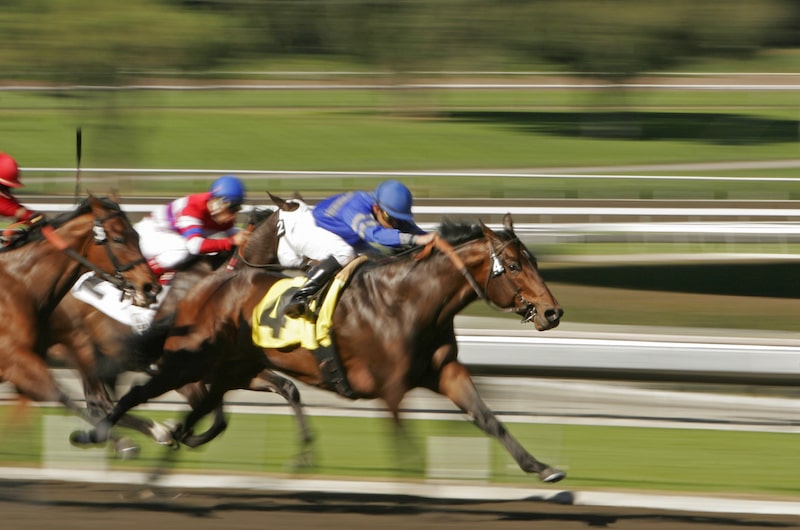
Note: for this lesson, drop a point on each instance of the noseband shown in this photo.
(100, 238)
(497, 269)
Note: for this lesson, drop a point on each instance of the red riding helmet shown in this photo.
(9, 172)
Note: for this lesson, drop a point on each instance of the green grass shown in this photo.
(677, 460)
(363, 130)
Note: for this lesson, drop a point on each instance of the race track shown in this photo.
(46, 505)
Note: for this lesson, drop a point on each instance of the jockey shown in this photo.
(358, 222)
(9, 205)
(202, 223)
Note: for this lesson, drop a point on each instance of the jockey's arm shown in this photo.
(201, 245)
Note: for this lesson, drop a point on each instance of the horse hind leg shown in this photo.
(203, 401)
(456, 384)
(269, 381)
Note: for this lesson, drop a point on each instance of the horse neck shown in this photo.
(473, 255)
(262, 246)
(49, 272)
(440, 288)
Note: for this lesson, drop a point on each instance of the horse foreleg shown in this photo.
(456, 384)
(269, 381)
(32, 378)
(203, 403)
(159, 384)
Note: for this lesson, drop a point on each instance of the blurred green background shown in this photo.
(359, 94)
(619, 87)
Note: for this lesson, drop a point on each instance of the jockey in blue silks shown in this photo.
(358, 222)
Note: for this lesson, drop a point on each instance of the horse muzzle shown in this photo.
(543, 321)
(142, 297)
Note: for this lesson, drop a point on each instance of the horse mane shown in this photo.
(256, 216)
(454, 232)
(457, 232)
(82, 208)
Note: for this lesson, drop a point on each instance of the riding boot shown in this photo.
(315, 279)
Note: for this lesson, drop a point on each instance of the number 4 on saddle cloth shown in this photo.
(105, 297)
(272, 329)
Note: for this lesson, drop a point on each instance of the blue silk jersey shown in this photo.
(349, 215)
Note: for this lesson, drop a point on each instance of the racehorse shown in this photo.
(95, 343)
(35, 276)
(392, 329)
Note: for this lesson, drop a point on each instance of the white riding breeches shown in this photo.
(303, 239)
(163, 245)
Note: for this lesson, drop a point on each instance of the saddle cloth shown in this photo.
(106, 298)
(272, 329)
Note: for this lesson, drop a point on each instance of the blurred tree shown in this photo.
(100, 42)
(619, 39)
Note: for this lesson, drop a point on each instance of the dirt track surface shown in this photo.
(45, 505)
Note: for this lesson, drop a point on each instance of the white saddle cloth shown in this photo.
(105, 297)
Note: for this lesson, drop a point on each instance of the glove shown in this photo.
(35, 217)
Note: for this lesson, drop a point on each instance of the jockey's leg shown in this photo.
(315, 279)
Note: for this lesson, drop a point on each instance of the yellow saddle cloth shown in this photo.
(272, 329)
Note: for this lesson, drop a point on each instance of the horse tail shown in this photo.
(146, 348)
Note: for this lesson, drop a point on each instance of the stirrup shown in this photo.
(296, 308)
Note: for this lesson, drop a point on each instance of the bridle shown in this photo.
(238, 255)
(497, 269)
(100, 238)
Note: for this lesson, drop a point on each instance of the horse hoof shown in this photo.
(126, 449)
(163, 433)
(302, 462)
(551, 475)
(80, 439)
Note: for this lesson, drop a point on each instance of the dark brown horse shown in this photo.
(36, 276)
(393, 330)
(96, 344)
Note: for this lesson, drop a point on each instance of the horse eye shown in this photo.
(514, 266)
(119, 239)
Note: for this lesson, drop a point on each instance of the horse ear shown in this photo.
(487, 232)
(508, 224)
(113, 196)
(279, 202)
(296, 195)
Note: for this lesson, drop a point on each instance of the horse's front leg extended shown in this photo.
(172, 376)
(456, 383)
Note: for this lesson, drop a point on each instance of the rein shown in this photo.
(497, 269)
(100, 238)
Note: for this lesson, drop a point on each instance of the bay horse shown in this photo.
(392, 328)
(96, 344)
(35, 276)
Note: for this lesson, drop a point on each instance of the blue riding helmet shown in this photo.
(394, 198)
(228, 188)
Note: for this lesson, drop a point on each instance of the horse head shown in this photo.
(116, 252)
(513, 282)
(261, 249)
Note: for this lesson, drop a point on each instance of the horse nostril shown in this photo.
(553, 314)
(152, 290)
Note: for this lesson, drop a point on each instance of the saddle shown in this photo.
(272, 329)
(109, 300)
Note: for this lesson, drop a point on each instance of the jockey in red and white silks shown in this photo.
(202, 223)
